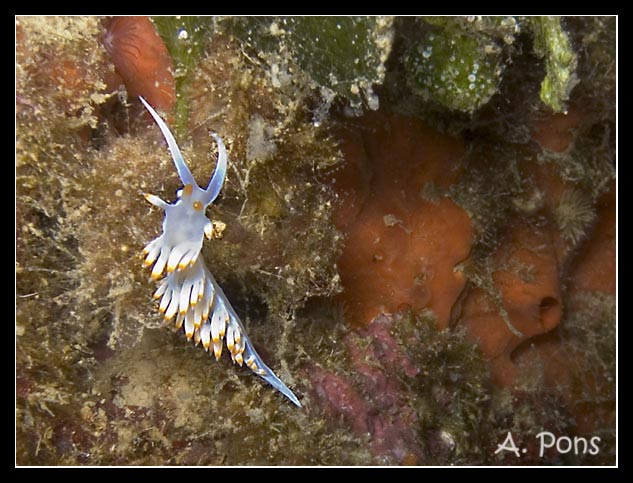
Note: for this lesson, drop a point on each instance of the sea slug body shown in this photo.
(187, 290)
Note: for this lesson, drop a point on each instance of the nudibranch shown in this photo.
(187, 291)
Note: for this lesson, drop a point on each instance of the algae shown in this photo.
(96, 383)
(186, 39)
(451, 395)
(454, 67)
(342, 56)
(98, 379)
(552, 43)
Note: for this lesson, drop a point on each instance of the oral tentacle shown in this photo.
(217, 180)
(183, 170)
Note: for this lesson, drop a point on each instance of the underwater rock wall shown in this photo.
(428, 265)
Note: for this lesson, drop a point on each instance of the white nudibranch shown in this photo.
(188, 293)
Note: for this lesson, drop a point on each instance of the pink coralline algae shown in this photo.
(373, 401)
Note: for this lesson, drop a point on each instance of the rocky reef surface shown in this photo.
(418, 229)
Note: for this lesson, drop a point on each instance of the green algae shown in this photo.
(342, 56)
(345, 54)
(186, 39)
(459, 68)
(552, 43)
(500, 28)
(441, 54)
